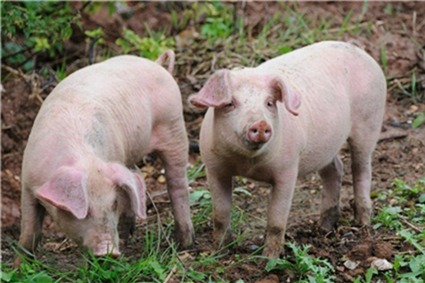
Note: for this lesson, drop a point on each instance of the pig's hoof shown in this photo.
(329, 219)
(272, 252)
(185, 240)
(362, 216)
(222, 239)
(185, 243)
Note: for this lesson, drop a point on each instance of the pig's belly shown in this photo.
(320, 155)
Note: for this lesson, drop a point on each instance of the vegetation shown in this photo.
(34, 27)
(405, 216)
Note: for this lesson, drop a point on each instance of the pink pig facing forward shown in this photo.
(286, 118)
(93, 125)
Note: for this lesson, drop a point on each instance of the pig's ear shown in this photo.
(67, 190)
(215, 93)
(284, 93)
(163, 57)
(134, 185)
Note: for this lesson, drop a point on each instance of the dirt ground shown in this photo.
(399, 154)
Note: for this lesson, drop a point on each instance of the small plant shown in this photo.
(43, 27)
(148, 47)
(305, 267)
(219, 21)
(406, 217)
(419, 120)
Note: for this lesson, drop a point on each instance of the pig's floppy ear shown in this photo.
(67, 190)
(290, 97)
(215, 93)
(134, 185)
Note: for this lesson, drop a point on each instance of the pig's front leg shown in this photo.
(31, 223)
(278, 211)
(221, 193)
(126, 225)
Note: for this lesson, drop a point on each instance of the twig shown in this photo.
(411, 225)
(171, 274)
(392, 135)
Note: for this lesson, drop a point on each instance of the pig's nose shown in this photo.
(113, 254)
(106, 249)
(260, 132)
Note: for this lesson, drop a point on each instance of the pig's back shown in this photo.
(107, 109)
(339, 84)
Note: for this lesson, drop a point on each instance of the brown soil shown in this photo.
(399, 154)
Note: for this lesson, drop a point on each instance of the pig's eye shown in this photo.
(270, 103)
(229, 105)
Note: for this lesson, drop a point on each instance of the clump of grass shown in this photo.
(405, 216)
(149, 47)
(35, 27)
(303, 266)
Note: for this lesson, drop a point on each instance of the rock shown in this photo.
(381, 264)
(351, 264)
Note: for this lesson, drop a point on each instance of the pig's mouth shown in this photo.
(253, 146)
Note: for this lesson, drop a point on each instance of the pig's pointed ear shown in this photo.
(215, 93)
(163, 57)
(133, 184)
(284, 93)
(67, 190)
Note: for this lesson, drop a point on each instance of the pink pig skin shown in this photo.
(289, 117)
(96, 122)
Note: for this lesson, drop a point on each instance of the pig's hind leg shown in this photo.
(174, 154)
(332, 177)
(31, 224)
(362, 144)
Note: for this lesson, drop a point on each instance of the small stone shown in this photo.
(253, 248)
(161, 179)
(351, 264)
(381, 264)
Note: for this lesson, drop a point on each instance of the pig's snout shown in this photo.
(259, 132)
(106, 249)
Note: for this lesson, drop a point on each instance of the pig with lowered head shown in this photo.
(289, 117)
(95, 124)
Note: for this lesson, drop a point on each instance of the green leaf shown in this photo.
(369, 274)
(419, 121)
(197, 195)
(8, 276)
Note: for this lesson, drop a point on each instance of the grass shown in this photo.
(403, 217)
(304, 267)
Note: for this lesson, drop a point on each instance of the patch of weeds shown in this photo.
(303, 266)
(34, 27)
(148, 47)
(219, 21)
(409, 87)
(405, 216)
(368, 276)
(32, 270)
